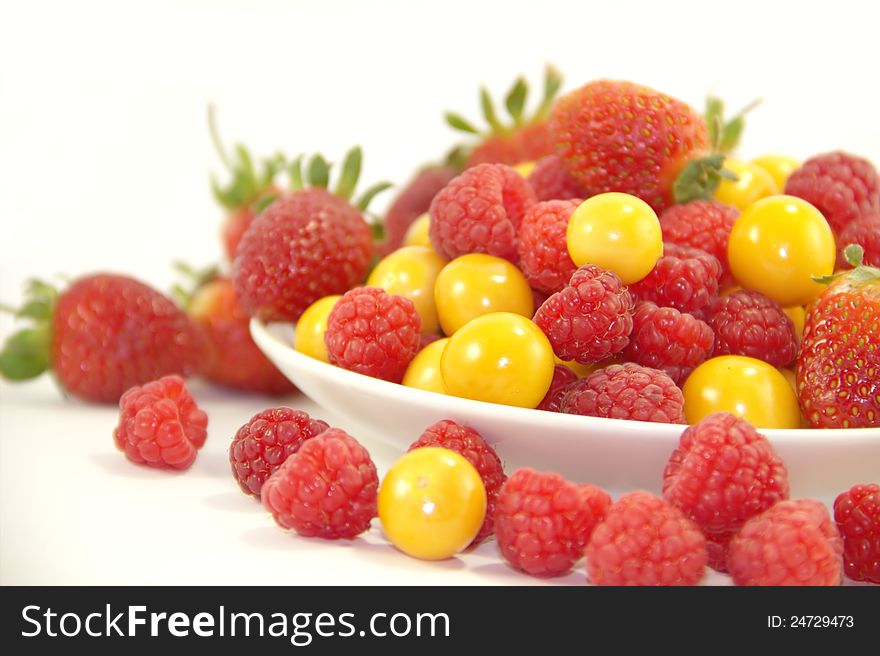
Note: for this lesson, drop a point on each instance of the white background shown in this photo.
(104, 163)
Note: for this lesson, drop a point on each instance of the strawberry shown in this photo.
(101, 336)
(620, 136)
(413, 201)
(838, 367)
(308, 244)
(527, 139)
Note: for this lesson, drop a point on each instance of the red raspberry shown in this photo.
(722, 474)
(470, 444)
(543, 522)
(160, 425)
(263, 444)
(590, 319)
(748, 323)
(626, 391)
(684, 278)
(428, 338)
(306, 245)
(538, 298)
(562, 378)
(703, 224)
(866, 233)
(373, 333)
(643, 540)
(551, 180)
(841, 186)
(327, 489)
(479, 212)
(542, 246)
(668, 340)
(413, 201)
(857, 513)
(793, 543)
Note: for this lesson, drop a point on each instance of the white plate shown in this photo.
(616, 454)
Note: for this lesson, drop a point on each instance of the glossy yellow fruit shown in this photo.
(525, 168)
(417, 233)
(310, 329)
(476, 284)
(791, 377)
(617, 232)
(776, 247)
(753, 183)
(500, 358)
(411, 272)
(424, 370)
(749, 388)
(779, 167)
(798, 315)
(583, 370)
(432, 503)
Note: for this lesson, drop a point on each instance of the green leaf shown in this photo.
(730, 134)
(319, 172)
(271, 167)
(295, 172)
(489, 112)
(699, 179)
(25, 354)
(40, 310)
(351, 171)
(364, 201)
(854, 254)
(216, 140)
(714, 116)
(515, 101)
(264, 201)
(460, 123)
(552, 84)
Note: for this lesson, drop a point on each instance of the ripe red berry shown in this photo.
(866, 233)
(590, 319)
(542, 247)
(413, 201)
(703, 224)
(263, 444)
(479, 212)
(643, 540)
(748, 323)
(841, 186)
(684, 278)
(857, 514)
(668, 340)
(373, 333)
(327, 489)
(626, 391)
(470, 444)
(551, 180)
(793, 543)
(562, 378)
(543, 522)
(160, 425)
(722, 474)
(525, 144)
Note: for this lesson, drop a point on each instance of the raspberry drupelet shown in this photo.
(703, 224)
(542, 246)
(685, 278)
(857, 514)
(563, 377)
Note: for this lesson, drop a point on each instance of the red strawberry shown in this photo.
(413, 201)
(620, 136)
(101, 336)
(838, 366)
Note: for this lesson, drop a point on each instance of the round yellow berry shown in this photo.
(411, 272)
(779, 167)
(424, 370)
(417, 233)
(310, 329)
(752, 184)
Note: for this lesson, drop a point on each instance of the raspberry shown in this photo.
(160, 425)
(263, 444)
(479, 212)
(722, 474)
(643, 540)
(413, 201)
(543, 521)
(590, 319)
(542, 247)
(373, 333)
(703, 224)
(684, 278)
(668, 340)
(793, 543)
(857, 514)
(551, 181)
(841, 186)
(866, 233)
(327, 489)
(626, 391)
(748, 323)
(470, 444)
(562, 378)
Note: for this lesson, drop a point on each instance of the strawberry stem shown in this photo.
(26, 353)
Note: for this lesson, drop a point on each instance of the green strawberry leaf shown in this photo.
(515, 101)
(364, 201)
(489, 112)
(351, 171)
(460, 123)
(25, 354)
(318, 172)
(295, 173)
(700, 178)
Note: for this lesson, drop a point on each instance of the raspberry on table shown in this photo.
(327, 489)
(644, 540)
(748, 323)
(543, 247)
(373, 333)
(703, 224)
(562, 378)
(664, 338)
(866, 233)
(626, 391)
(543, 522)
(685, 278)
(841, 186)
(160, 424)
(795, 542)
(263, 444)
(551, 180)
(469, 444)
(479, 212)
(723, 473)
(857, 514)
(590, 319)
